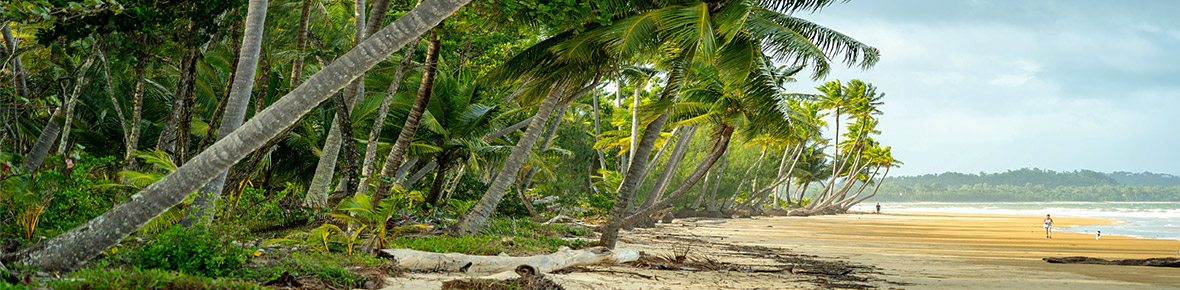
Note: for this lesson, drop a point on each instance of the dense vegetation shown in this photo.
(1032, 185)
(195, 136)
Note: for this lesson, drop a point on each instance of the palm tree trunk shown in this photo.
(19, 75)
(44, 142)
(719, 149)
(382, 112)
(398, 153)
(720, 176)
(746, 177)
(670, 169)
(301, 42)
(597, 133)
(339, 133)
(136, 113)
(436, 187)
(73, 248)
(79, 82)
(631, 181)
(545, 142)
(634, 124)
(704, 191)
(219, 113)
(477, 217)
(235, 109)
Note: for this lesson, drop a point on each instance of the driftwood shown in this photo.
(454, 262)
(1154, 262)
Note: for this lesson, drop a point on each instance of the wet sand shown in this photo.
(961, 251)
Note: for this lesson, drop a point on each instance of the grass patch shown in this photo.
(133, 278)
(318, 269)
(514, 237)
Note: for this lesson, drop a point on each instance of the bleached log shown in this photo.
(455, 262)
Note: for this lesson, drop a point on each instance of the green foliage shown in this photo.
(55, 200)
(201, 250)
(162, 165)
(1022, 185)
(258, 208)
(133, 278)
(363, 218)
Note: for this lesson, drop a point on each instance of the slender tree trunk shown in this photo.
(719, 149)
(478, 216)
(704, 191)
(79, 82)
(712, 205)
(634, 124)
(379, 121)
(19, 75)
(597, 134)
(172, 132)
(219, 113)
(406, 136)
(73, 248)
(301, 42)
(631, 181)
(44, 142)
(317, 191)
(377, 17)
(746, 177)
(236, 105)
(106, 76)
(670, 169)
(137, 112)
(545, 142)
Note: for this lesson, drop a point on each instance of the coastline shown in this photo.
(931, 250)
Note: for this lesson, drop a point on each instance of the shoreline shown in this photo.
(936, 250)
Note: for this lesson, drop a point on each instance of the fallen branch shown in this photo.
(1153, 262)
(454, 262)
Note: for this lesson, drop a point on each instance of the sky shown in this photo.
(990, 86)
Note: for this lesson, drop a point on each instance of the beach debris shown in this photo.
(455, 262)
(1153, 262)
(530, 279)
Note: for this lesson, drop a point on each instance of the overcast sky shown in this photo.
(990, 86)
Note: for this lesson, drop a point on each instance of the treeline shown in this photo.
(1032, 185)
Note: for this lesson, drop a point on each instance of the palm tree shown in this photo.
(73, 248)
(235, 108)
(455, 125)
(734, 35)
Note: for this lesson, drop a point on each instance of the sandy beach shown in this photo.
(962, 251)
(900, 250)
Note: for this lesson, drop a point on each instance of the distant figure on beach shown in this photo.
(1098, 236)
(878, 207)
(1048, 227)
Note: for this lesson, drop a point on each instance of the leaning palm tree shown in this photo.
(732, 34)
(73, 248)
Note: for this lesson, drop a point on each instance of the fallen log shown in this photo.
(455, 262)
(1153, 262)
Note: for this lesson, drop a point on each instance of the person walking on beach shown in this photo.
(1048, 227)
(878, 207)
(1098, 236)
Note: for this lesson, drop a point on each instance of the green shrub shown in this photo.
(142, 279)
(333, 269)
(199, 251)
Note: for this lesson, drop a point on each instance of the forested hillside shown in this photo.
(1033, 185)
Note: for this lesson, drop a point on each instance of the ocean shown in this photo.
(1155, 220)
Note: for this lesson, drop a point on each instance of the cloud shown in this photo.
(991, 85)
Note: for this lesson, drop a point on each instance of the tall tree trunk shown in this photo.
(317, 191)
(382, 112)
(79, 82)
(631, 181)
(398, 153)
(719, 149)
(137, 112)
(545, 142)
(73, 248)
(301, 42)
(219, 113)
(478, 216)
(704, 191)
(712, 202)
(236, 105)
(597, 134)
(19, 75)
(634, 124)
(106, 76)
(670, 169)
(44, 142)
(172, 132)
(746, 177)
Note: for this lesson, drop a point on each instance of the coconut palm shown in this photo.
(73, 248)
